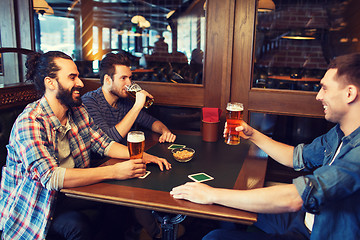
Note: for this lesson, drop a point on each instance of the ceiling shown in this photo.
(118, 13)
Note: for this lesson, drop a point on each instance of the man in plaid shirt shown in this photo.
(49, 149)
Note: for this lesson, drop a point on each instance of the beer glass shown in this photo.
(136, 144)
(234, 115)
(133, 89)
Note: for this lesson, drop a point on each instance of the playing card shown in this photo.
(173, 146)
(200, 177)
(145, 175)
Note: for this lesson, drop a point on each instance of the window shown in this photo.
(114, 39)
(296, 41)
(1, 64)
(106, 38)
(57, 33)
(161, 34)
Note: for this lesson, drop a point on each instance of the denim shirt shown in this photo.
(331, 192)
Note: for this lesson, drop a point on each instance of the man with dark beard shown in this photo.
(49, 149)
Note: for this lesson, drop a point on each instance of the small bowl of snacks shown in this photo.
(183, 154)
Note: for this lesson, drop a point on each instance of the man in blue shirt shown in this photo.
(110, 107)
(321, 205)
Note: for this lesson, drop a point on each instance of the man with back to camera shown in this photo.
(49, 149)
(321, 205)
(110, 108)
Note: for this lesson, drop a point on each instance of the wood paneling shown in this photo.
(18, 94)
(242, 52)
(218, 53)
(292, 103)
(187, 95)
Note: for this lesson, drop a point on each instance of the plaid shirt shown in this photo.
(26, 206)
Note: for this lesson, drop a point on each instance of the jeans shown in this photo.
(286, 226)
(70, 221)
(71, 225)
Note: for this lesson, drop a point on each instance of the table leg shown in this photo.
(169, 224)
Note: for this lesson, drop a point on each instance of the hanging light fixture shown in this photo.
(170, 14)
(137, 19)
(301, 34)
(140, 21)
(266, 6)
(144, 24)
(42, 7)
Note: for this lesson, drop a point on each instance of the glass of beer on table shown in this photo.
(133, 89)
(234, 116)
(136, 144)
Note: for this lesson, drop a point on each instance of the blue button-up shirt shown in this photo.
(26, 206)
(331, 192)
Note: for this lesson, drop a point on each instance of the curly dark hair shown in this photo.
(41, 65)
(348, 69)
(107, 65)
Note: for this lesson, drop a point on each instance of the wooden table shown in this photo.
(135, 193)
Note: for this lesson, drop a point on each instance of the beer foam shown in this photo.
(135, 138)
(235, 107)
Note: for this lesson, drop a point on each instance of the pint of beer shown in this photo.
(234, 115)
(133, 89)
(136, 144)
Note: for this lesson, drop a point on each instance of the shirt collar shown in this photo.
(353, 137)
(54, 121)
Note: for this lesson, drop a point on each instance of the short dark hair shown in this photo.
(42, 65)
(348, 68)
(107, 65)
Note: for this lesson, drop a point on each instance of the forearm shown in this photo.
(124, 126)
(118, 150)
(76, 177)
(159, 127)
(280, 152)
(275, 199)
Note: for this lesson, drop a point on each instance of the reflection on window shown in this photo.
(1, 62)
(105, 38)
(57, 33)
(114, 39)
(296, 41)
(161, 37)
(95, 48)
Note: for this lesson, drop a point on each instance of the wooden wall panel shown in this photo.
(186, 95)
(218, 53)
(292, 103)
(242, 52)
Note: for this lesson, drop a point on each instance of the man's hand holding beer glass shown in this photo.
(234, 116)
(136, 145)
(141, 96)
(245, 131)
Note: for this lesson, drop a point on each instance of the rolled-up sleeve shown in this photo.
(298, 161)
(330, 180)
(302, 183)
(305, 189)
